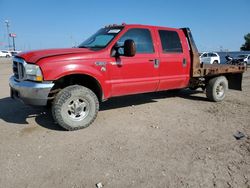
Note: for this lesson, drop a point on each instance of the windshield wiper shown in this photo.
(83, 46)
(97, 46)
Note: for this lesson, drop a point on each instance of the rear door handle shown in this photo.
(184, 62)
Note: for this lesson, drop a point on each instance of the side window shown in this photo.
(212, 55)
(204, 55)
(142, 39)
(170, 42)
(248, 57)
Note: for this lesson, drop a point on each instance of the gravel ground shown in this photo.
(148, 140)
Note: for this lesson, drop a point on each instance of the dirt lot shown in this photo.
(149, 140)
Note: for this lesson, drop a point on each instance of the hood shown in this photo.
(34, 56)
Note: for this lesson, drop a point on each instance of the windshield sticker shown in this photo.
(114, 31)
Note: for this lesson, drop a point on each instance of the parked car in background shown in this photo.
(244, 58)
(209, 58)
(5, 53)
(13, 53)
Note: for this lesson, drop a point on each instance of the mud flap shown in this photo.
(235, 81)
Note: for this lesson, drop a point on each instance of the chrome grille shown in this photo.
(18, 68)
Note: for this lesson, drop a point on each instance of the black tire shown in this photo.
(7, 56)
(216, 89)
(215, 62)
(75, 107)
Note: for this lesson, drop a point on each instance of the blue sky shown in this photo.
(63, 23)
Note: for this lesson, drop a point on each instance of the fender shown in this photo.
(55, 70)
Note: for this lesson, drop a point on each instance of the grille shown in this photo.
(18, 69)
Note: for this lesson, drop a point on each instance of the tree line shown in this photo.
(246, 46)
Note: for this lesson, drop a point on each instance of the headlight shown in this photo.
(33, 72)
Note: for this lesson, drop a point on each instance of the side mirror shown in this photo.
(129, 48)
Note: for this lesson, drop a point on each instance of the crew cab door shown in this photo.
(138, 74)
(174, 66)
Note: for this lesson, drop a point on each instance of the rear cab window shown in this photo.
(170, 41)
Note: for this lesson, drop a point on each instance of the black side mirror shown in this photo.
(129, 48)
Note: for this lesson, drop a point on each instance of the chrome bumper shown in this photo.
(31, 93)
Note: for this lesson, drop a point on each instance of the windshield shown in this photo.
(101, 38)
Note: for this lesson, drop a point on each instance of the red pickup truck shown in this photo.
(117, 60)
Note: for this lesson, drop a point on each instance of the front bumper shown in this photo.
(29, 92)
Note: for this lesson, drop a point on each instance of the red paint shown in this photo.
(123, 76)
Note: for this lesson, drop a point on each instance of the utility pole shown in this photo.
(8, 32)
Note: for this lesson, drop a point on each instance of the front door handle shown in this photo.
(156, 62)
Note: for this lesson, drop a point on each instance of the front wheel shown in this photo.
(75, 107)
(216, 88)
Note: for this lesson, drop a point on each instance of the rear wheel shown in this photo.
(215, 62)
(75, 107)
(216, 88)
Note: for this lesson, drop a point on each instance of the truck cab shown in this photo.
(161, 61)
(117, 60)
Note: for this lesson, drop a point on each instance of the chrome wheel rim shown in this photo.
(78, 109)
(220, 90)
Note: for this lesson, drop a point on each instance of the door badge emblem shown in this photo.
(102, 65)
